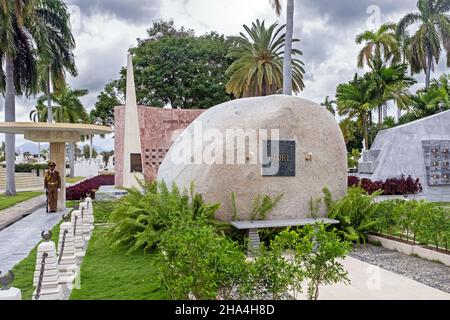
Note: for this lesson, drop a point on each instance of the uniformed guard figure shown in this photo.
(52, 185)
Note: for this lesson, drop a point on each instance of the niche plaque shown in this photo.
(278, 158)
(437, 161)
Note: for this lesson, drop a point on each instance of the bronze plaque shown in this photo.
(136, 162)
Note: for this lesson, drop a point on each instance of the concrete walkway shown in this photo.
(369, 282)
(17, 240)
(18, 211)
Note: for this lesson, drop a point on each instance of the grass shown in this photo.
(7, 202)
(74, 179)
(112, 274)
(106, 274)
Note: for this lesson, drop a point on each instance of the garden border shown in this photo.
(410, 249)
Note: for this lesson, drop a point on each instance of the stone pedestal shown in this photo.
(10, 294)
(78, 232)
(90, 211)
(58, 156)
(50, 288)
(86, 223)
(67, 262)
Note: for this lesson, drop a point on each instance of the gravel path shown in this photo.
(430, 273)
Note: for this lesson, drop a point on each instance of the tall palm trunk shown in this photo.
(366, 131)
(39, 152)
(10, 116)
(49, 98)
(428, 71)
(72, 146)
(287, 61)
(90, 148)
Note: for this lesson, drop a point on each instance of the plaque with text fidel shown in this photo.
(278, 158)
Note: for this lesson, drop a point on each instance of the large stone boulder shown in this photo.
(320, 156)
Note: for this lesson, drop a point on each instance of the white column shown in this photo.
(58, 156)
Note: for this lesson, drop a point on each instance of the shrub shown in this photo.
(140, 218)
(392, 186)
(198, 263)
(315, 254)
(356, 214)
(81, 190)
(270, 275)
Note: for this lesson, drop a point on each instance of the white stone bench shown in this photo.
(253, 226)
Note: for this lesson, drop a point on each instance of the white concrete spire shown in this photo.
(131, 140)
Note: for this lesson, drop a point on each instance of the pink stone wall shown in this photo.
(157, 126)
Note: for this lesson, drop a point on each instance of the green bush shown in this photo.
(199, 263)
(140, 218)
(315, 252)
(356, 213)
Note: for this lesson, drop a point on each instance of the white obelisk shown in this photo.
(132, 137)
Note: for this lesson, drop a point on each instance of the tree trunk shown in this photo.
(399, 113)
(90, 149)
(385, 112)
(366, 132)
(428, 71)
(380, 114)
(39, 152)
(10, 116)
(72, 147)
(49, 98)
(287, 60)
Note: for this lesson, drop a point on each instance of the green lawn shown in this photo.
(106, 274)
(6, 202)
(74, 179)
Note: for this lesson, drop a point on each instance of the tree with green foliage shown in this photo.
(110, 97)
(174, 67)
(27, 28)
(320, 251)
(68, 108)
(380, 45)
(355, 100)
(257, 68)
(432, 34)
(89, 153)
(428, 102)
(330, 105)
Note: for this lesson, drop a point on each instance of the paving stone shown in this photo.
(17, 240)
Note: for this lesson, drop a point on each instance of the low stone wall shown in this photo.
(410, 249)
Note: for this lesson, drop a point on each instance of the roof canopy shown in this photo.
(53, 132)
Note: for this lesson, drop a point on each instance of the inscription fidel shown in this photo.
(278, 158)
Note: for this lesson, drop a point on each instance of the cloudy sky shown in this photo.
(106, 29)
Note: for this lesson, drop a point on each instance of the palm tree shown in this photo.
(287, 60)
(430, 101)
(329, 105)
(392, 84)
(56, 54)
(257, 68)
(380, 45)
(433, 33)
(355, 100)
(69, 109)
(26, 27)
